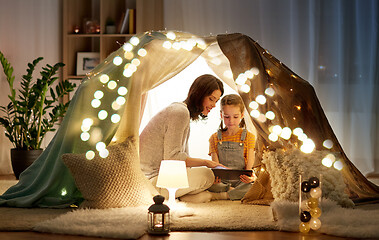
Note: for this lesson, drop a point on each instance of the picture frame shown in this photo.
(86, 61)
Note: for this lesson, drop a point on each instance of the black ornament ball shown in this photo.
(314, 182)
(305, 216)
(305, 186)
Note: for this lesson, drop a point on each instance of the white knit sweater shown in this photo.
(165, 138)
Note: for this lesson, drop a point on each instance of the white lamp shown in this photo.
(172, 176)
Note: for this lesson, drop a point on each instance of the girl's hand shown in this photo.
(217, 180)
(247, 179)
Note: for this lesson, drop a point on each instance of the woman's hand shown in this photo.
(212, 164)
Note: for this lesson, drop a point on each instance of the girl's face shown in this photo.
(210, 101)
(232, 116)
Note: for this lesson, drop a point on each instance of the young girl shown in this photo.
(232, 146)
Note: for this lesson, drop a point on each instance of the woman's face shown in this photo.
(210, 101)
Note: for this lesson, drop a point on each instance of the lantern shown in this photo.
(158, 217)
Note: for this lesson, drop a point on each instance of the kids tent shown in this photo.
(107, 107)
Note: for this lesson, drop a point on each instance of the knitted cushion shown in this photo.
(115, 181)
(285, 167)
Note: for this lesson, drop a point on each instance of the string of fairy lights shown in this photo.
(132, 59)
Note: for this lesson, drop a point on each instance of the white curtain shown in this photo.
(333, 44)
(28, 29)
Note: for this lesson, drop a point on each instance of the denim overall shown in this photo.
(230, 154)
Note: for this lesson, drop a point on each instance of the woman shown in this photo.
(166, 138)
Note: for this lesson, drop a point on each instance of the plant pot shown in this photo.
(22, 159)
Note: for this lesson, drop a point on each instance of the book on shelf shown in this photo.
(125, 22)
(132, 21)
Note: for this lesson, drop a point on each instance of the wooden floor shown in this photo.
(234, 235)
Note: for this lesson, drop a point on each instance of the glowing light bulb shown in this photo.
(134, 41)
(245, 88)
(270, 92)
(142, 52)
(167, 44)
(104, 78)
(104, 153)
(327, 162)
(95, 103)
(115, 106)
(128, 47)
(98, 94)
(298, 131)
(249, 74)
(253, 105)
(100, 146)
(128, 55)
(286, 133)
(117, 61)
(85, 128)
(115, 118)
(87, 122)
(122, 91)
(308, 146)
(277, 130)
(120, 100)
(255, 113)
(63, 192)
(90, 154)
(270, 115)
(112, 85)
(241, 79)
(260, 99)
(127, 72)
(273, 137)
(136, 62)
(255, 70)
(327, 144)
(262, 118)
(171, 35)
(338, 165)
(85, 136)
(303, 137)
(102, 114)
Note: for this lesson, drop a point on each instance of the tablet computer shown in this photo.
(230, 174)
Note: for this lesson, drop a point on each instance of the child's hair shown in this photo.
(235, 100)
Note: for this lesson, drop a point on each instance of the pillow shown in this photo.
(285, 167)
(115, 181)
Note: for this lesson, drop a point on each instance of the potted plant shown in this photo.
(33, 110)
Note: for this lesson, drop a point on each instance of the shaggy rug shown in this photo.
(130, 223)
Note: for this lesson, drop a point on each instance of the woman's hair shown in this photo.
(202, 87)
(234, 100)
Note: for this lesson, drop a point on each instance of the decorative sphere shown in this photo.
(312, 203)
(315, 212)
(305, 216)
(314, 182)
(316, 192)
(315, 224)
(305, 187)
(304, 227)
